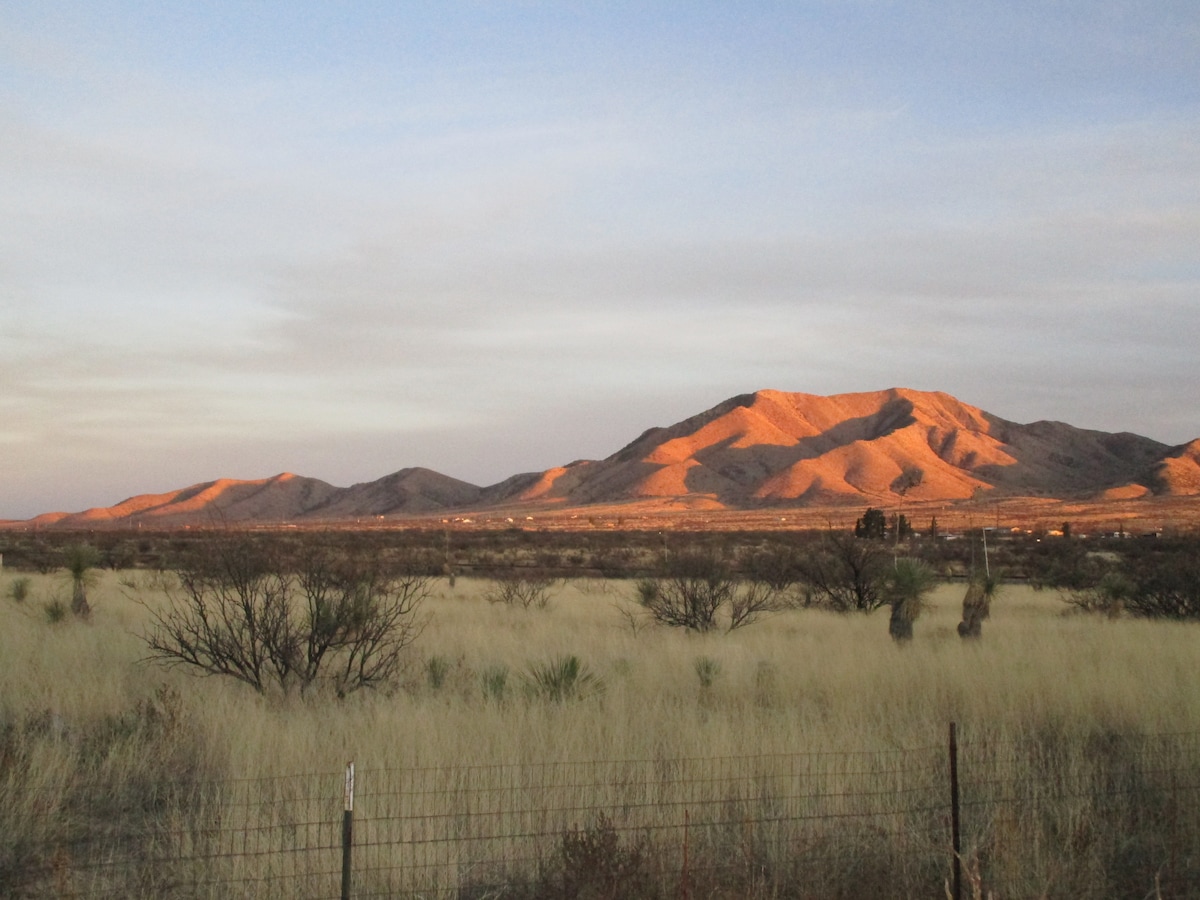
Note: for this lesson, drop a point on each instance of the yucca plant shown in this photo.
(562, 678)
(977, 604)
(79, 560)
(907, 584)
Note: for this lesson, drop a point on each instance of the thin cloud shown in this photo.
(427, 261)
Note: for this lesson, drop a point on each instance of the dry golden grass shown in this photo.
(802, 681)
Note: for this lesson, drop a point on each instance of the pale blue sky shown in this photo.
(344, 238)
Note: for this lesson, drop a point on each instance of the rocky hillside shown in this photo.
(773, 448)
(757, 450)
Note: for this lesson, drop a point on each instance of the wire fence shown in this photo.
(1113, 816)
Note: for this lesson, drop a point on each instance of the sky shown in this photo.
(344, 238)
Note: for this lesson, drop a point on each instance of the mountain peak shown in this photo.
(762, 449)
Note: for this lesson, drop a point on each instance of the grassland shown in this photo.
(91, 734)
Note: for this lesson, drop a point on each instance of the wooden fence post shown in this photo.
(955, 831)
(347, 830)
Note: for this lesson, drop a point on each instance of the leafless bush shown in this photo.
(846, 573)
(694, 589)
(1165, 586)
(751, 600)
(239, 611)
(528, 591)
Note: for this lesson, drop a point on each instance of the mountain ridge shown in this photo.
(760, 450)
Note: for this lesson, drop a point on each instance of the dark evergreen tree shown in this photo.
(872, 525)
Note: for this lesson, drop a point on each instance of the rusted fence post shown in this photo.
(955, 831)
(347, 829)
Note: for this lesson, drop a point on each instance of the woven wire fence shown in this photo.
(1109, 815)
(649, 826)
(266, 837)
(1114, 816)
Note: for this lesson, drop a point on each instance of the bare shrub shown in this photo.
(597, 863)
(1165, 585)
(528, 591)
(777, 564)
(751, 600)
(342, 621)
(696, 586)
(1108, 597)
(846, 574)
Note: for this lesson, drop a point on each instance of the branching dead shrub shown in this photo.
(846, 574)
(750, 601)
(596, 863)
(340, 621)
(1165, 585)
(528, 591)
(1108, 597)
(696, 587)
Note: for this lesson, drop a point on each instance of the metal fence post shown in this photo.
(955, 831)
(347, 830)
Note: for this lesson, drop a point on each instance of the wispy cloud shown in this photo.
(557, 230)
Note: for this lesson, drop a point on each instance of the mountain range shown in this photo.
(769, 449)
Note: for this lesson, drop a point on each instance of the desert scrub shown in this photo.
(521, 590)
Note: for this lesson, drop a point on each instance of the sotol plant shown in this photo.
(19, 589)
(562, 678)
(707, 670)
(494, 680)
(437, 670)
